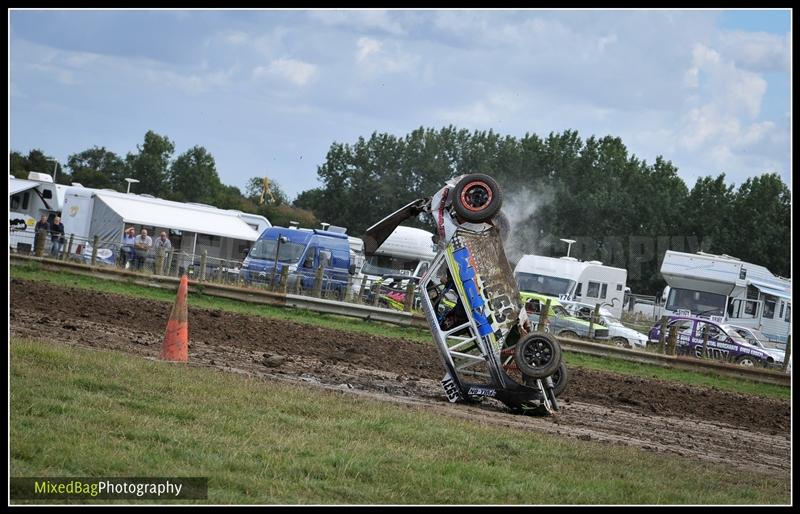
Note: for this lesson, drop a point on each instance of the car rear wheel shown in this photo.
(538, 355)
(477, 197)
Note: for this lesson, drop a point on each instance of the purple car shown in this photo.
(724, 343)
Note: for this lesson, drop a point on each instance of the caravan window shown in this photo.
(25, 198)
(542, 284)
(389, 265)
(578, 289)
(780, 316)
(769, 306)
(788, 314)
(47, 194)
(698, 302)
(15, 202)
(593, 291)
(603, 290)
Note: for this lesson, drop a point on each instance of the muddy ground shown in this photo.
(743, 431)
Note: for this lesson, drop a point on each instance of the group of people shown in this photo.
(135, 249)
(55, 229)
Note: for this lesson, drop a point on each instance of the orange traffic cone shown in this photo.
(176, 340)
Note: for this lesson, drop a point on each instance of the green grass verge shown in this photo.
(33, 272)
(78, 412)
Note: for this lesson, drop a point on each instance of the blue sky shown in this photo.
(267, 92)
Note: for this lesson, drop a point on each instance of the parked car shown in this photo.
(561, 322)
(756, 338)
(724, 342)
(619, 334)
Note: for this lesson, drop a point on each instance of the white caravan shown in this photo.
(727, 289)
(27, 201)
(567, 278)
(407, 251)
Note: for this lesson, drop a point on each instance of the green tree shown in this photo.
(150, 165)
(193, 177)
(98, 168)
(36, 161)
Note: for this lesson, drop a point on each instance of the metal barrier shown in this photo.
(375, 313)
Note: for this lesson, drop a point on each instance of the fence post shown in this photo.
(376, 289)
(317, 291)
(662, 334)
(95, 242)
(348, 293)
(673, 333)
(361, 290)
(593, 320)
(409, 300)
(69, 248)
(203, 259)
(158, 269)
(284, 279)
(705, 341)
(41, 236)
(788, 352)
(170, 253)
(543, 316)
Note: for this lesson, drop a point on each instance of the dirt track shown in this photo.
(740, 430)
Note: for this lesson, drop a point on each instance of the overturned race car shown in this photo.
(472, 304)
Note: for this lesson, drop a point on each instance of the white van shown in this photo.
(567, 278)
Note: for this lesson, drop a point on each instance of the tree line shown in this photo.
(623, 210)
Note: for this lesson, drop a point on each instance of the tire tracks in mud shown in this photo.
(742, 431)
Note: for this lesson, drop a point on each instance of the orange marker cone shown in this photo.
(176, 340)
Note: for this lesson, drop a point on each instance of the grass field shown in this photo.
(78, 412)
(33, 272)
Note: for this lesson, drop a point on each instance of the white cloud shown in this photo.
(236, 38)
(360, 19)
(297, 72)
(375, 57)
(756, 51)
(367, 46)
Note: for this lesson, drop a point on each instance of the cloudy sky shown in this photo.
(267, 92)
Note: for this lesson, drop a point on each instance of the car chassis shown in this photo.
(483, 336)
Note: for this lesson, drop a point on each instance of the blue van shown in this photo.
(302, 251)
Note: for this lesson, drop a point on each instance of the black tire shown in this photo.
(569, 334)
(538, 355)
(748, 361)
(500, 221)
(477, 197)
(621, 342)
(560, 379)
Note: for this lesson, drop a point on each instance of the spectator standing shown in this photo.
(128, 242)
(142, 245)
(161, 246)
(40, 231)
(56, 236)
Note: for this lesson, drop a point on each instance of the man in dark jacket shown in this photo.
(56, 236)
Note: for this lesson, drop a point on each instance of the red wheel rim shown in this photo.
(476, 192)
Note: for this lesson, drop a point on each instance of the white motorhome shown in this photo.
(28, 200)
(568, 278)
(729, 289)
(407, 251)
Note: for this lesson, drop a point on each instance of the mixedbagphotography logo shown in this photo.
(144, 488)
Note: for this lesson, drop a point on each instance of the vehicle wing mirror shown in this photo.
(309, 262)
